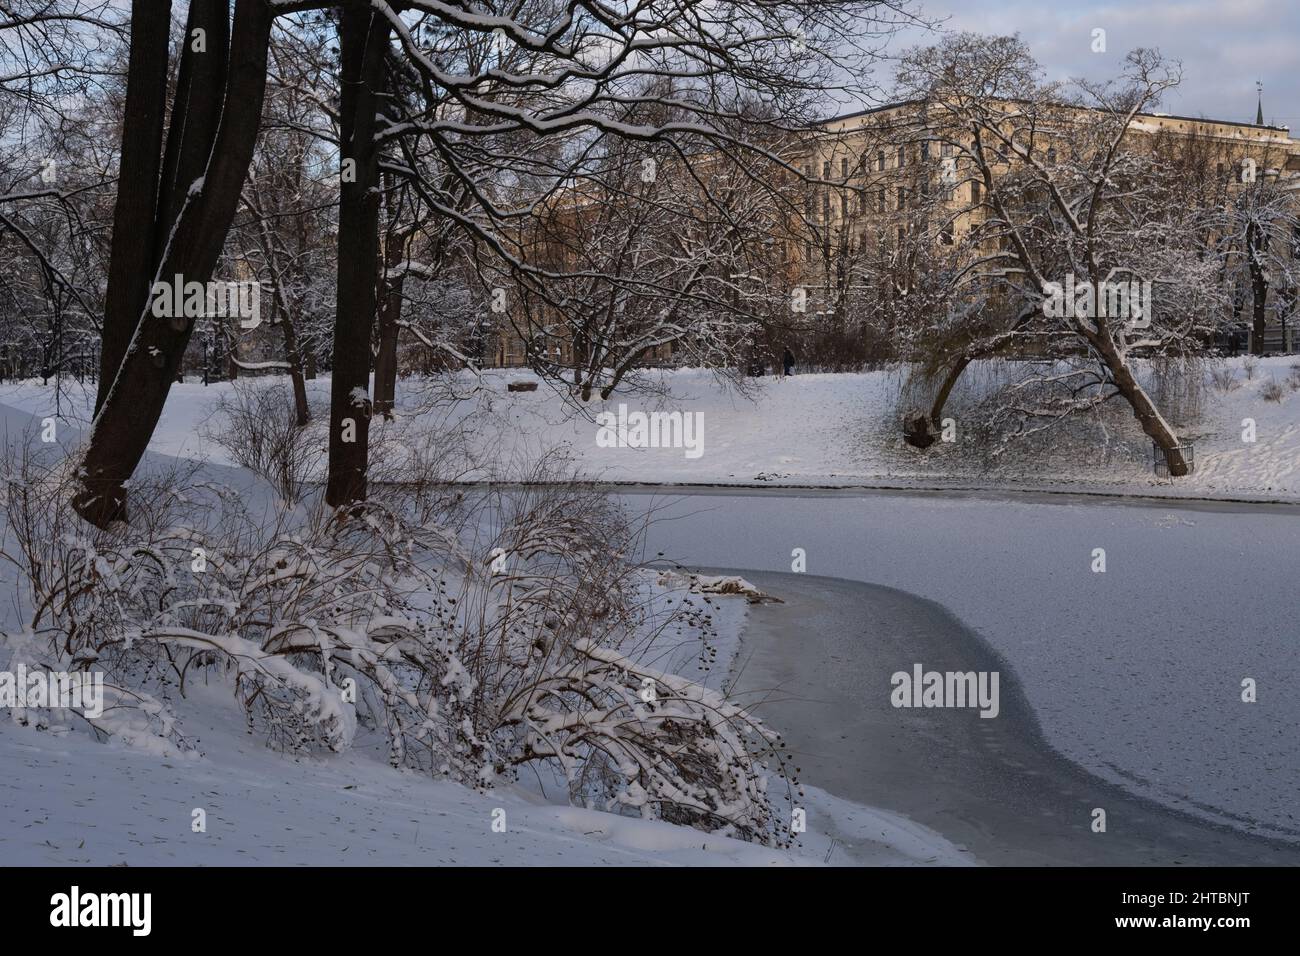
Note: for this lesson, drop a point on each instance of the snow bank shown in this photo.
(821, 429)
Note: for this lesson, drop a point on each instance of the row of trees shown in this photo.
(611, 185)
(370, 160)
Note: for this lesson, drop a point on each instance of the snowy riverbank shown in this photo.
(822, 430)
(68, 799)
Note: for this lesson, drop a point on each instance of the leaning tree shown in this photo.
(1056, 185)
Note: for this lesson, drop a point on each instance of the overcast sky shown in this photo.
(1224, 45)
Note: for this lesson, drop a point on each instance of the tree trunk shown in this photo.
(230, 339)
(386, 359)
(1153, 423)
(920, 431)
(137, 388)
(941, 399)
(272, 249)
(1259, 284)
(582, 373)
(390, 314)
(363, 38)
(134, 226)
(302, 414)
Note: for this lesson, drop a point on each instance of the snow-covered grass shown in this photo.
(66, 800)
(817, 429)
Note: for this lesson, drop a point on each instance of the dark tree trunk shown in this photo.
(200, 83)
(582, 374)
(1255, 251)
(302, 412)
(390, 313)
(137, 388)
(922, 430)
(231, 340)
(363, 38)
(134, 226)
(285, 277)
(941, 399)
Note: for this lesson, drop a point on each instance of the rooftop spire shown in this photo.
(1259, 109)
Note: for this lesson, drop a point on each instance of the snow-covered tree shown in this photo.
(1260, 246)
(1079, 256)
(504, 108)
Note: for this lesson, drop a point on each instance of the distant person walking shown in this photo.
(787, 361)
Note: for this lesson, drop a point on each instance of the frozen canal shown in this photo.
(1135, 673)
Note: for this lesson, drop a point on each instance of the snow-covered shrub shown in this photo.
(511, 635)
(1272, 391)
(257, 427)
(1176, 384)
(1224, 378)
(1029, 415)
(72, 599)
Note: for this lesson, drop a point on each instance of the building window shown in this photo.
(826, 169)
(902, 156)
(844, 168)
(880, 161)
(902, 197)
(880, 201)
(975, 191)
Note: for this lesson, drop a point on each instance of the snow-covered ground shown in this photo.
(823, 429)
(66, 799)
